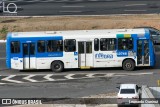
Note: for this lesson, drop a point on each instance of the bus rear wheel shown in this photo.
(57, 66)
(128, 65)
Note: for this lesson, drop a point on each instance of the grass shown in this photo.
(27, 24)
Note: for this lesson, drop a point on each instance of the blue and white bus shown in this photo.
(58, 50)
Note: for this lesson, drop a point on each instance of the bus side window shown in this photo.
(96, 44)
(25, 49)
(112, 44)
(15, 47)
(54, 45)
(103, 45)
(107, 44)
(125, 44)
(70, 45)
(41, 46)
(59, 45)
(49, 46)
(32, 49)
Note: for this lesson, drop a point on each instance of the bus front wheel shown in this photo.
(128, 65)
(57, 66)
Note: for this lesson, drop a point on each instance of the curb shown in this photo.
(103, 15)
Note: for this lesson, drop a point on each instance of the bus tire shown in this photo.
(128, 65)
(57, 66)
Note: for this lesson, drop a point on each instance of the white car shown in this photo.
(128, 93)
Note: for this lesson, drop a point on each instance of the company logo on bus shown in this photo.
(103, 56)
(122, 53)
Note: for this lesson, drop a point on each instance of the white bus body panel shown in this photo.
(29, 63)
(17, 63)
(33, 63)
(89, 60)
(68, 60)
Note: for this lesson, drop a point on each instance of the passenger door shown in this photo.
(143, 52)
(29, 58)
(85, 54)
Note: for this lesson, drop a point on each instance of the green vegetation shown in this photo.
(3, 32)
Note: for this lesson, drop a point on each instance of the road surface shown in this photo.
(83, 7)
(71, 83)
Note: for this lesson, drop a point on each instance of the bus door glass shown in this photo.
(143, 52)
(29, 59)
(85, 54)
(15, 54)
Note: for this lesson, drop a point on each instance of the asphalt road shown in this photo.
(71, 83)
(83, 7)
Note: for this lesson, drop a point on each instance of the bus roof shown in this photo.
(77, 32)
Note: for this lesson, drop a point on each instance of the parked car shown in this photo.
(127, 93)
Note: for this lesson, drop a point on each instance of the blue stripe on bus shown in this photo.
(8, 61)
(29, 40)
(51, 54)
(34, 39)
(39, 55)
(134, 42)
(151, 48)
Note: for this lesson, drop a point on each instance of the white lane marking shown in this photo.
(135, 5)
(70, 11)
(109, 74)
(140, 73)
(2, 83)
(147, 73)
(90, 75)
(69, 76)
(135, 10)
(73, 6)
(132, 74)
(120, 75)
(48, 77)
(29, 78)
(10, 80)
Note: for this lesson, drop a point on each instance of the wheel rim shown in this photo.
(56, 66)
(128, 65)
